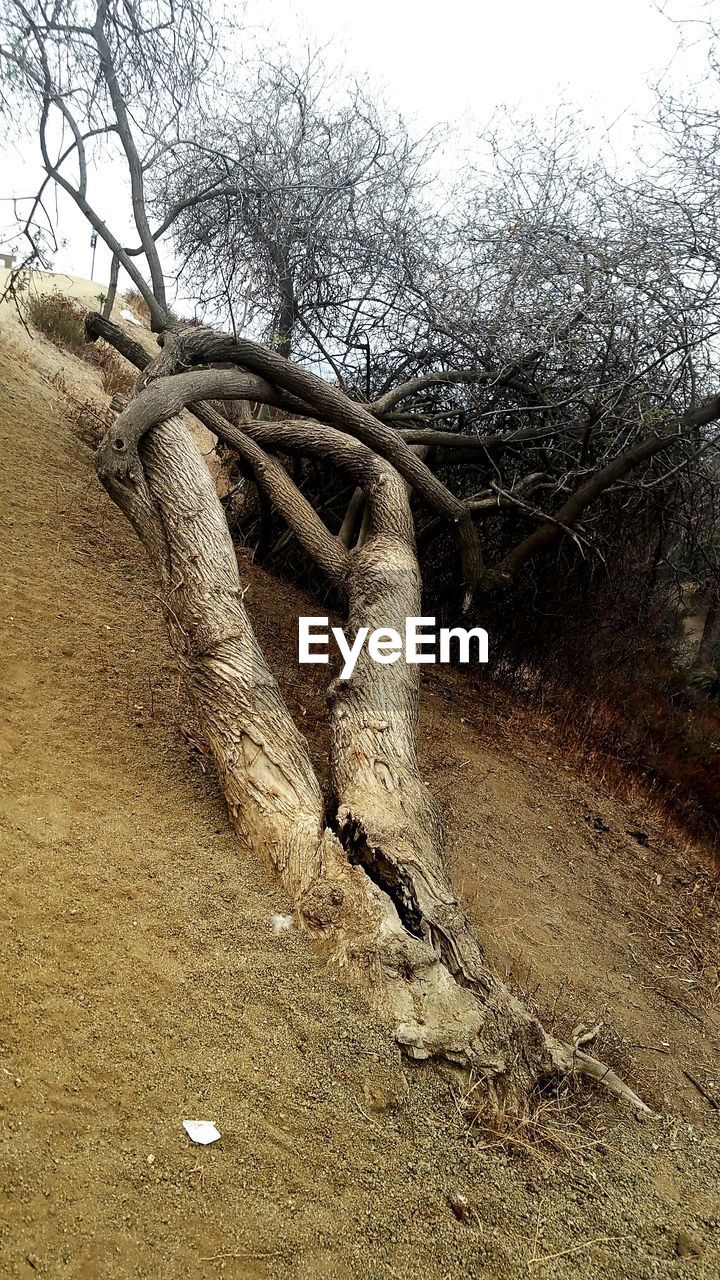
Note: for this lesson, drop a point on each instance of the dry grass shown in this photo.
(59, 318)
(62, 321)
(135, 302)
(685, 936)
(116, 376)
(564, 1119)
(591, 737)
(89, 421)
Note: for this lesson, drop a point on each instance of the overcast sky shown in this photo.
(443, 60)
(454, 61)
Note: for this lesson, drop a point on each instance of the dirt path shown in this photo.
(143, 983)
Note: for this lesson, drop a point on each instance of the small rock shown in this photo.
(461, 1207)
(385, 1091)
(685, 1246)
(642, 837)
(282, 924)
(379, 1100)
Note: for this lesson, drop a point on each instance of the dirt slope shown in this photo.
(143, 983)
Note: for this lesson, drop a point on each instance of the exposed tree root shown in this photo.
(445, 1002)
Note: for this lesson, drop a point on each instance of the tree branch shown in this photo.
(118, 459)
(567, 515)
(196, 346)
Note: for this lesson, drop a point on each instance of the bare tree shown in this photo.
(115, 76)
(534, 329)
(528, 362)
(365, 870)
(296, 200)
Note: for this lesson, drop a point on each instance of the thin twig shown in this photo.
(709, 1097)
(365, 1114)
(575, 1248)
(220, 1257)
(656, 1048)
(537, 1233)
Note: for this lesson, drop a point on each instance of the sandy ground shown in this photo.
(143, 983)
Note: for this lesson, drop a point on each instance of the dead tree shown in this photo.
(293, 224)
(528, 352)
(108, 75)
(364, 868)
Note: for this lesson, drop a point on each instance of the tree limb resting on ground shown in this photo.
(372, 884)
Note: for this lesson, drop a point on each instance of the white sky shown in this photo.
(450, 61)
(443, 59)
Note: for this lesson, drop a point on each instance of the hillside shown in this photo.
(144, 982)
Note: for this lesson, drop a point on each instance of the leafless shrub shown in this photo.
(59, 318)
(561, 1120)
(88, 422)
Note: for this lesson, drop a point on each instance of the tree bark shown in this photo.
(191, 346)
(109, 302)
(158, 307)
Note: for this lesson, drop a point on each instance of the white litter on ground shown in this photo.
(281, 923)
(128, 315)
(201, 1131)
